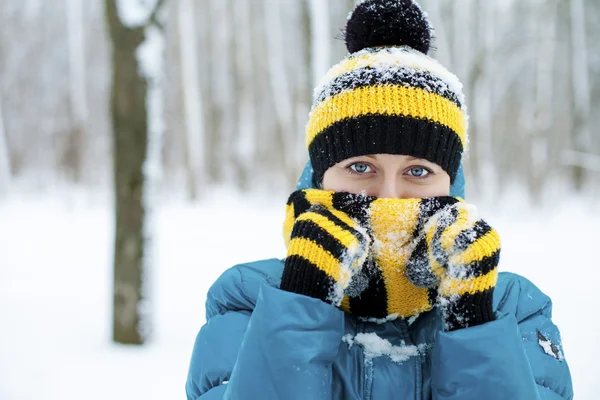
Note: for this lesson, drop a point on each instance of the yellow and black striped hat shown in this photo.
(388, 96)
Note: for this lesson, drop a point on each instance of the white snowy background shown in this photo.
(56, 271)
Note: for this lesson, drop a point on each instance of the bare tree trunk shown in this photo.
(279, 82)
(133, 109)
(580, 86)
(223, 89)
(74, 152)
(482, 89)
(193, 139)
(303, 80)
(246, 143)
(5, 173)
(543, 116)
(319, 39)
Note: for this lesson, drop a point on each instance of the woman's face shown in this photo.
(388, 176)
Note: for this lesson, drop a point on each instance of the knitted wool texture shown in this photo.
(387, 99)
(402, 275)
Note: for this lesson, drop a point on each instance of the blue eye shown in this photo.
(360, 167)
(418, 172)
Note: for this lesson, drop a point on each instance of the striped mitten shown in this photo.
(457, 253)
(326, 249)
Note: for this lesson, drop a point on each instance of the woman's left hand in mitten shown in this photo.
(457, 253)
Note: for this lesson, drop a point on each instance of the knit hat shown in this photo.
(388, 96)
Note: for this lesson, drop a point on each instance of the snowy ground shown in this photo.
(55, 280)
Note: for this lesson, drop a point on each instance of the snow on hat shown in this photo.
(388, 96)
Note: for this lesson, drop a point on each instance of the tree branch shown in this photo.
(153, 19)
(117, 29)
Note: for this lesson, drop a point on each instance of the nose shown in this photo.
(392, 188)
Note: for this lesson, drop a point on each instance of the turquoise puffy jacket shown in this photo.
(260, 342)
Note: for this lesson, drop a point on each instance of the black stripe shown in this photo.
(309, 230)
(386, 134)
(483, 266)
(418, 270)
(298, 200)
(330, 216)
(428, 207)
(453, 147)
(407, 77)
(425, 206)
(467, 237)
(432, 295)
(354, 205)
(444, 221)
(372, 302)
(469, 310)
(303, 277)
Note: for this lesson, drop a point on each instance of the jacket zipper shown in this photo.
(368, 365)
(416, 361)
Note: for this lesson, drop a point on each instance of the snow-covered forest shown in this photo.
(228, 85)
(238, 82)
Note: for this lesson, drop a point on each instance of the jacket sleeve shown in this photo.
(214, 354)
(283, 349)
(288, 350)
(518, 356)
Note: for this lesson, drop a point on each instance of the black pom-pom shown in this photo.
(388, 23)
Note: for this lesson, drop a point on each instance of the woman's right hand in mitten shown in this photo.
(325, 251)
(457, 253)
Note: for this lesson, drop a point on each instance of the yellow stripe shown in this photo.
(325, 198)
(437, 268)
(392, 224)
(386, 100)
(288, 223)
(342, 216)
(348, 65)
(345, 305)
(483, 247)
(315, 196)
(319, 257)
(478, 284)
(346, 238)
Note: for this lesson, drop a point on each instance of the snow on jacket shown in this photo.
(260, 342)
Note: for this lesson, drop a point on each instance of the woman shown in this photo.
(390, 287)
